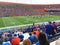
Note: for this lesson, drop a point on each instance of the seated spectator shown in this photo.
(1, 39)
(42, 40)
(35, 37)
(37, 27)
(21, 37)
(15, 40)
(29, 29)
(31, 38)
(12, 34)
(42, 27)
(20, 31)
(6, 42)
(16, 33)
(32, 27)
(24, 30)
(27, 42)
(10, 37)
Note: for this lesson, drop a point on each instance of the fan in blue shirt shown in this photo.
(49, 28)
(38, 43)
(31, 38)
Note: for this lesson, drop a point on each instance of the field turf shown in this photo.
(20, 20)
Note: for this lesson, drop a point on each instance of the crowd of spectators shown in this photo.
(38, 35)
(8, 9)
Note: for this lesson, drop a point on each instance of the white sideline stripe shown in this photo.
(26, 25)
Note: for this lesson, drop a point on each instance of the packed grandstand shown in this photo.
(34, 34)
(12, 9)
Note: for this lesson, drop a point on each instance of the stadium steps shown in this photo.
(54, 37)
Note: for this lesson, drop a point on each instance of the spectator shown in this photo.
(29, 29)
(1, 39)
(16, 33)
(12, 34)
(37, 32)
(10, 37)
(15, 40)
(42, 40)
(49, 29)
(35, 37)
(43, 28)
(6, 42)
(55, 27)
(37, 27)
(32, 27)
(27, 42)
(24, 30)
(20, 31)
(31, 38)
(21, 37)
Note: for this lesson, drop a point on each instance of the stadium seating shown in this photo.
(25, 35)
(51, 30)
(8, 9)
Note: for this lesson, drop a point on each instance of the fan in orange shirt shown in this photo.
(37, 32)
(15, 41)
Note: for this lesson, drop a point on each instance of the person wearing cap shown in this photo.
(15, 40)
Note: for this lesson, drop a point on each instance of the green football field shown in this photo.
(20, 20)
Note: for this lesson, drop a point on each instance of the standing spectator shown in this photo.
(42, 40)
(55, 27)
(49, 29)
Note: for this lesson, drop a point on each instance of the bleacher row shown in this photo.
(23, 34)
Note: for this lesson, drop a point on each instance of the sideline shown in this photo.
(26, 25)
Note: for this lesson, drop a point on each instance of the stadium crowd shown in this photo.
(38, 35)
(10, 9)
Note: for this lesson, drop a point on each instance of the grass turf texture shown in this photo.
(20, 20)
